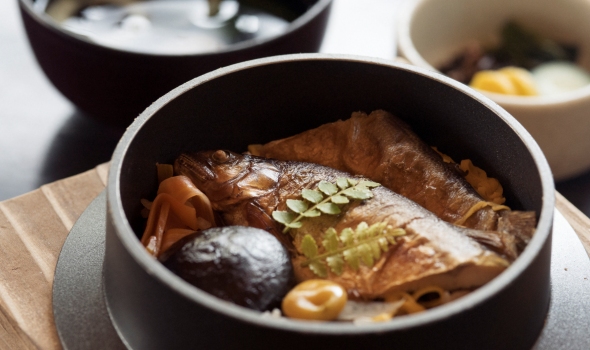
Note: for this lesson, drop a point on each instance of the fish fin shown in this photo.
(499, 242)
(520, 224)
(257, 217)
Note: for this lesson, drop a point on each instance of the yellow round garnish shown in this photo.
(319, 300)
(522, 80)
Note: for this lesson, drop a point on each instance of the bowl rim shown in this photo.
(157, 270)
(406, 47)
(50, 24)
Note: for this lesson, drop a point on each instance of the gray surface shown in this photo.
(79, 309)
(83, 322)
(569, 313)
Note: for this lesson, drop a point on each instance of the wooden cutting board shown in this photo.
(33, 228)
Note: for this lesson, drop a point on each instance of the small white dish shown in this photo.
(431, 32)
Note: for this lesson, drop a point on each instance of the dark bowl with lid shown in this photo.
(271, 98)
(116, 84)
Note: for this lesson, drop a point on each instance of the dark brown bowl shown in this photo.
(116, 85)
(266, 99)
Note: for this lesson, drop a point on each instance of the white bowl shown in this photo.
(431, 32)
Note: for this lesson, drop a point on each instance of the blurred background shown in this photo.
(43, 137)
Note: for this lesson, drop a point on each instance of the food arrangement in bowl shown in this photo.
(281, 203)
(386, 245)
(522, 65)
(527, 56)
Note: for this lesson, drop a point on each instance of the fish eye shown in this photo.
(220, 156)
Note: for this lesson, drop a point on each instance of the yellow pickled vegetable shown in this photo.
(507, 81)
(493, 81)
(319, 300)
(522, 80)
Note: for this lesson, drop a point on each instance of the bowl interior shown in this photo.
(54, 12)
(277, 97)
(269, 102)
(438, 29)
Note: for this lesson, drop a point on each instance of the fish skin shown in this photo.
(245, 190)
(384, 149)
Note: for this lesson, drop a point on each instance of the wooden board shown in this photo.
(33, 228)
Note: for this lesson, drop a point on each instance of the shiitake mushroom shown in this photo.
(244, 265)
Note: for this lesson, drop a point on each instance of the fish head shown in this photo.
(227, 177)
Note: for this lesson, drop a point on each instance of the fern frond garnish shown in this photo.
(365, 244)
(325, 200)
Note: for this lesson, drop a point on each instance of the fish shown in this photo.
(385, 149)
(246, 190)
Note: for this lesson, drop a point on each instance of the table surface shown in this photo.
(43, 137)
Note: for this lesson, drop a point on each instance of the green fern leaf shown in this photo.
(351, 256)
(369, 184)
(337, 194)
(329, 208)
(339, 200)
(296, 224)
(284, 217)
(328, 188)
(364, 244)
(297, 206)
(342, 183)
(309, 247)
(375, 249)
(311, 213)
(312, 196)
(319, 269)
(336, 264)
(357, 193)
(366, 254)
(347, 236)
(330, 241)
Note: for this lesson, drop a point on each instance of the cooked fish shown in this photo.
(383, 148)
(246, 190)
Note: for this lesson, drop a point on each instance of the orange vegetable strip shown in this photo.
(173, 235)
(183, 189)
(179, 187)
(186, 214)
(155, 224)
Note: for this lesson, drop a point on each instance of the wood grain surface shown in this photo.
(34, 226)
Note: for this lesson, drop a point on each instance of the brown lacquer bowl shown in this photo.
(116, 85)
(271, 98)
